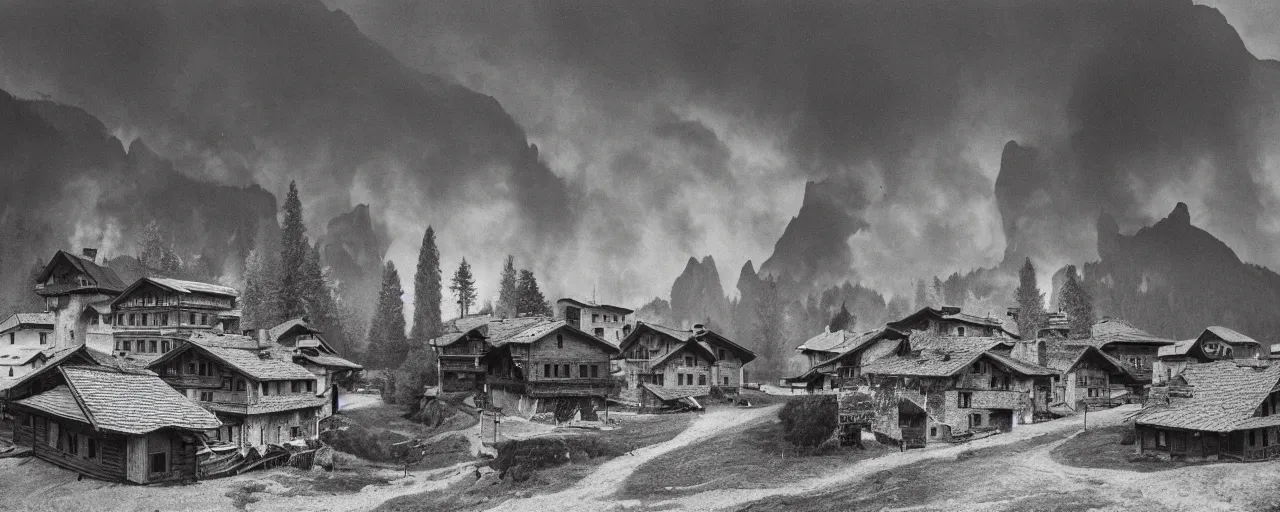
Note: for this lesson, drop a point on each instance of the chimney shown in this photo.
(262, 338)
(90, 253)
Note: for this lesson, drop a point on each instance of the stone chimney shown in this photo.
(91, 253)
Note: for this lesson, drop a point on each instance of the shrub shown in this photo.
(1129, 438)
(809, 421)
(529, 455)
(365, 443)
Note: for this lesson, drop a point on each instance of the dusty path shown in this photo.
(592, 493)
(721, 499)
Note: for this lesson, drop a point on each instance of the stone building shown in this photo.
(609, 323)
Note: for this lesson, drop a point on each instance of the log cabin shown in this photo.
(1214, 344)
(114, 425)
(1086, 376)
(153, 315)
(259, 396)
(1136, 348)
(1214, 411)
(461, 347)
(688, 363)
(936, 388)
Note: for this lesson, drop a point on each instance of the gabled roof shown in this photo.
(1178, 348)
(539, 330)
(247, 362)
(295, 325)
(745, 354)
(1227, 335)
(1114, 330)
(1063, 357)
(19, 356)
(80, 355)
(670, 394)
(864, 341)
(1021, 367)
(178, 286)
(485, 326)
(127, 403)
(690, 345)
(19, 320)
(1224, 396)
(592, 305)
(329, 361)
(944, 356)
(829, 341)
(106, 279)
(218, 339)
(949, 313)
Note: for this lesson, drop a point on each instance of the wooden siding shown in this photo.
(109, 464)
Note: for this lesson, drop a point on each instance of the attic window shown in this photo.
(960, 331)
(559, 341)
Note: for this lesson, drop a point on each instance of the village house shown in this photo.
(680, 364)
(153, 315)
(1212, 411)
(260, 396)
(1214, 344)
(1133, 346)
(26, 342)
(77, 290)
(112, 424)
(940, 388)
(547, 366)
(1085, 375)
(610, 323)
(459, 349)
(951, 321)
(842, 356)
(299, 340)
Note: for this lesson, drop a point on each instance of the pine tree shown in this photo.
(842, 320)
(1030, 300)
(259, 302)
(508, 295)
(387, 343)
(922, 295)
(938, 294)
(293, 255)
(464, 287)
(155, 255)
(529, 299)
(321, 307)
(1078, 305)
(427, 323)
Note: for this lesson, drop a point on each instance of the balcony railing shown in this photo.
(998, 399)
(446, 364)
(1265, 452)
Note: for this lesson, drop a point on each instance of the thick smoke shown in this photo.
(901, 108)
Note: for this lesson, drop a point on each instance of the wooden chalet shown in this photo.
(460, 348)
(842, 369)
(75, 289)
(113, 424)
(1214, 344)
(547, 367)
(155, 315)
(1214, 411)
(1086, 376)
(951, 321)
(1130, 345)
(306, 346)
(260, 396)
(687, 361)
(939, 388)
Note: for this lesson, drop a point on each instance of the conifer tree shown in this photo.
(508, 294)
(1078, 305)
(427, 291)
(842, 320)
(529, 298)
(387, 344)
(464, 287)
(259, 301)
(922, 295)
(938, 295)
(293, 254)
(1030, 300)
(321, 307)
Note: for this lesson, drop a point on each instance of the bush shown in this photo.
(406, 383)
(809, 421)
(528, 455)
(365, 443)
(1129, 438)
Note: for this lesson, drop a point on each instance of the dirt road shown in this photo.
(593, 492)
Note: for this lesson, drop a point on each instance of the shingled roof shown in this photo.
(17, 320)
(248, 362)
(128, 403)
(1228, 335)
(835, 342)
(105, 278)
(1114, 330)
(1224, 396)
(329, 361)
(178, 286)
(944, 356)
(18, 355)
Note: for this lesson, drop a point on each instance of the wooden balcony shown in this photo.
(460, 365)
(998, 399)
(231, 397)
(192, 381)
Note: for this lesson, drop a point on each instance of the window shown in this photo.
(702, 380)
(582, 371)
(226, 383)
(295, 432)
(44, 338)
(660, 379)
(933, 431)
(595, 317)
(964, 399)
(1253, 440)
(128, 346)
(159, 463)
(559, 341)
(979, 367)
(91, 446)
(193, 319)
(309, 384)
(1266, 439)
(720, 354)
(206, 396)
(144, 318)
(565, 368)
(555, 370)
(595, 371)
(73, 334)
(599, 332)
(546, 370)
(266, 389)
(191, 368)
(73, 444)
(240, 385)
(679, 379)
(131, 318)
(204, 319)
(726, 381)
(120, 319)
(164, 319)
(154, 346)
(295, 386)
(204, 368)
(164, 346)
(959, 331)
(688, 360)
(975, 420)
(10, 371)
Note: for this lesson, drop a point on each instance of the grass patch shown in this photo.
(754, 457)
(1104, 448)
(242, 496)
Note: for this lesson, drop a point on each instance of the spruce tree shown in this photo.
(293, 255)
(938, 295)
(259, 302)
(1030, 300)
(529, 298)
(387, 344)
(464, 287)
(426, 291)
(508, 294)
(1078, 305)
(922, 295)
(321, 307)
(843, 319)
